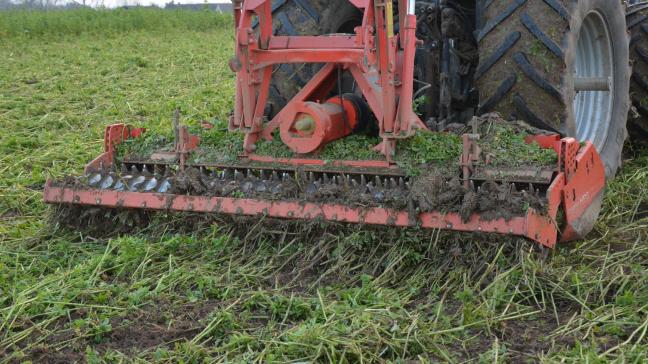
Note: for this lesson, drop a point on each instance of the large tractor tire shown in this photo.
(305, 17)
(530, 52)
(637, 18)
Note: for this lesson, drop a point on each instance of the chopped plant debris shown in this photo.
(503, 144)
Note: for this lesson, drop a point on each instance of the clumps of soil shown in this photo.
(98, 221)
(432, 192)
(386, 192)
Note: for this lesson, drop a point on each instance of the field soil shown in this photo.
(185, 288)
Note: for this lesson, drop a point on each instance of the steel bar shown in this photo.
(592, 84)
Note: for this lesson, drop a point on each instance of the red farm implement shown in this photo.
(380, 58)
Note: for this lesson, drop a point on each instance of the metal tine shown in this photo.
(354, 183)
(94, 179)
(146, 172)
(346, 180)
(238, 175)
(107, 182)
(248, 173)
(401, 182)
(150, 184)
(326, 178)
(370, 187)
(378, 182)
(164, 187)
(408, 185)
(393, 183)
(134, 184)
(124, 168)
(134, 170)
(275, 176)
(363, 180)
(311, 177)
(472, 185)
(118, 186)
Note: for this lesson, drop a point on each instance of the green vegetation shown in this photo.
(254, 291)
(218, 144)
(440, 149)
(503, 144)
(506, 146)
(38, 24)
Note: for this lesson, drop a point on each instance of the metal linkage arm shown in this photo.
(381, 62)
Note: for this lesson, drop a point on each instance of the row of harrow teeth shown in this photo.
(252, 183)
(131, 180)
(308, 185)
(423, 195)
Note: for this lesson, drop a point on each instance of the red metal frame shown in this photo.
(381, 62)
(578, 184)
(113, 135)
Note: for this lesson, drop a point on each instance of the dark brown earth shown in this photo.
(158, 325)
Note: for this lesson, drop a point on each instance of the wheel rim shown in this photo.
(594, 61)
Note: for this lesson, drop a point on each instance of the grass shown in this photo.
(58, 23)
(263, 292)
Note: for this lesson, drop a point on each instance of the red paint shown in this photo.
(527, 226)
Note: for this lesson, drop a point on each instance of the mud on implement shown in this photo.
(369, 80)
